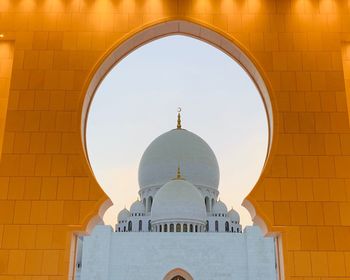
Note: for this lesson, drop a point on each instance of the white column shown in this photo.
(146, 205)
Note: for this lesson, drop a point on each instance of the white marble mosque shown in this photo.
(178, 229)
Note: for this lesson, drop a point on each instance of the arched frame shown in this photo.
(177, 272)
(205, 33)
(208, 34)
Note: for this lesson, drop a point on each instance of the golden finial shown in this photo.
(178, 174)
(178, 118)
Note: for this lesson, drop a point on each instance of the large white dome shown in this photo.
(178, 200)
(179, 146)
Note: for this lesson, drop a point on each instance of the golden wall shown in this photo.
(50, 50)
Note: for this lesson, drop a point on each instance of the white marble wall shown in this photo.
(109, 255)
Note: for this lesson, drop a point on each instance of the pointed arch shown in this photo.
(207, 203)
(216, 226)
(178, 272)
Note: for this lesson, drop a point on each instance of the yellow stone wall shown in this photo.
(47, 189)
(6, 60)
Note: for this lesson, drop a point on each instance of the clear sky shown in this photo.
(138, 101)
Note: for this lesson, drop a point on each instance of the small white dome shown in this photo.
(123, 215)
(233, 215)
(162, 156)
(137, 207)
(219, 208)
(178, 200)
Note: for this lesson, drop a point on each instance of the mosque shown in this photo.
(178, 229)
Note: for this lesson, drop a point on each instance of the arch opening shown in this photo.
(178, 277)
(178, 274)
(175, 28)
(207, 204)
(196, 31)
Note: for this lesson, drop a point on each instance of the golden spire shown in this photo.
(178, 174)
(178, 118)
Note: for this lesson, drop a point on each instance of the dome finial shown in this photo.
(178, 173)
(178, 118)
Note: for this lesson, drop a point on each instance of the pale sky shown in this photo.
(138, 101)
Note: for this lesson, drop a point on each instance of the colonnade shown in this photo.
(179, 227)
